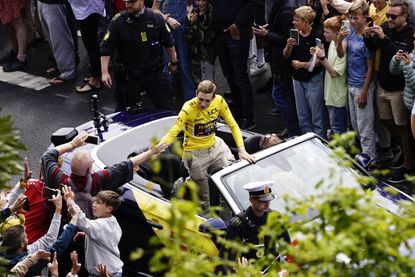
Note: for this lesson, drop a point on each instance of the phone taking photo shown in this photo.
(318, 43)
(92, 139)
(345, 25)
(369, 21)
(295, 34)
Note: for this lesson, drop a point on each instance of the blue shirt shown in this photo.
(357, 56)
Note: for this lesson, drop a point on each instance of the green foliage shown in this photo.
(10, 146)
(352, 236)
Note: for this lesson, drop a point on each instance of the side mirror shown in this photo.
(212, 223)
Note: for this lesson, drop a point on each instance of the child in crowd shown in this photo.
(201, 37)
(308, 86)
(404, 62)
(102, 234)
(335, 86)
(359, 77)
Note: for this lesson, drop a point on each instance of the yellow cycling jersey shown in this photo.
(200, 125)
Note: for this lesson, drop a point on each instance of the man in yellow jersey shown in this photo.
(202, 149)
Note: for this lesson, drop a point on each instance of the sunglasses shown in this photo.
(392, 16)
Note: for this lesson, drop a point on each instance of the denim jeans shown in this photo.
(182, 50)
(283, 96)
(175, 9)
(233, 57)
(309, 100)
(338, 119)
(363, 119)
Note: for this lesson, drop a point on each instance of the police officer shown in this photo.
(245, 226)
(139, 35)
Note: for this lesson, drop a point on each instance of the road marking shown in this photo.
(23, 79)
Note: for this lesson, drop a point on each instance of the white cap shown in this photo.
(260, 190)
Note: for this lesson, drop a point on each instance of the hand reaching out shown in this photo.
(18, 204)
(102, 270)
(68, 194)
(75, 265)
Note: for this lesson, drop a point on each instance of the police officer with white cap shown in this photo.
(245, 226)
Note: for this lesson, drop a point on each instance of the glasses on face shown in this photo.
(392, 16)
(268, 136)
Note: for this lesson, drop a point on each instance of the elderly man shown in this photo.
(81, 179)
(203, 151)
(245, 227)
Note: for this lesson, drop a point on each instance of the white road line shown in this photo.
(24, 79)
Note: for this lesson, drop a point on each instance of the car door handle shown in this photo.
(155, 225)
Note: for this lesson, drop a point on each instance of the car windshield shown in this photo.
(296, 171)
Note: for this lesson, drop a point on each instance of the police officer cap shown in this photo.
(260, 190)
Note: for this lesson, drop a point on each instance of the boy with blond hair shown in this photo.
(307, 78)
(361, 87)
(102, 234)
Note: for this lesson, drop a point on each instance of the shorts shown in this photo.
(391, 106)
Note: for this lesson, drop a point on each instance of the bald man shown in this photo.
(81, 178)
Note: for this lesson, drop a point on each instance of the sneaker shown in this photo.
(14, 66)
(397, 163)
(398, 176)
(9, 57)
(258, 70)
(247, 124)
(273, 112)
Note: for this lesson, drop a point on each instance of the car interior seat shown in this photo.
(252, 144)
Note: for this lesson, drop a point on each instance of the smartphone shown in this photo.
(318, 42)
(256, 26)
(369, 21)
(345, 25)
(294, 33)
(92, 139)
(26, 205)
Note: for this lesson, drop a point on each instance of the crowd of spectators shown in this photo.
(336, 65)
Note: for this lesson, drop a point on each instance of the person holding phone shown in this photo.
(361, 87)
(391, 36)
(335, 88)
(308, 86)
(404, 63)
(82, 179)
(280, 18)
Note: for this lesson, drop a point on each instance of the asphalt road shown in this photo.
(38, 113)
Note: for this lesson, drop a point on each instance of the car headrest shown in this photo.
(252, 144)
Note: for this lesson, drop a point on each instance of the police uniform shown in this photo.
(245, 226)
(139, 40)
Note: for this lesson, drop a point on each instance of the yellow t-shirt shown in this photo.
(200, 125)
(378, 19)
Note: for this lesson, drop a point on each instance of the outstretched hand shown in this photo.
(243, 155)
(158, 148)
(76, 266)
(57, 200)
(102, 270)
(17, 206)
(68, 194)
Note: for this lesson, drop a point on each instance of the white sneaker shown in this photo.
(258, 70)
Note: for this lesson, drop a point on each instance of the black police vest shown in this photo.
(141, 45)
